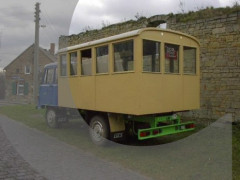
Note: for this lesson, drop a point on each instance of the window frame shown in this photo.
(81, 61)
(70, 64)
(27, 67)
(47, 75)
(60, 64)
(189, 73)
(159, 56)
(133, 56)
(108, 59)
(20, 84)
(179, 58)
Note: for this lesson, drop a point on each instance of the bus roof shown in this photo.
(51, 65)
(121, 36)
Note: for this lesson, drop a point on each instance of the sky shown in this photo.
(61, 17)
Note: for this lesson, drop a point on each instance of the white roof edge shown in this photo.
(121, 36)
(50, 64)
(99, 41)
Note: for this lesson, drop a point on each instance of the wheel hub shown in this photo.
(97, 131)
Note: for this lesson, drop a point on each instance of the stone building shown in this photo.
(19, 74)
(218, 31)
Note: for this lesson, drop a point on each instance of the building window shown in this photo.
(27, 69)
(86, 61)
(102, 59)
(189, 61)
(151, 56)
(63, 65)
(20, 88)
(73, 63)
(123, 56)
(17, 71)
(171, 58)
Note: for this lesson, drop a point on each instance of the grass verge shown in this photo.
(236, 151)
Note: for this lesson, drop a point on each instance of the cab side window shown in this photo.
(49, 76)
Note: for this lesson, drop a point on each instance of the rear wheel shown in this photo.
(99, 130)
(51, 118)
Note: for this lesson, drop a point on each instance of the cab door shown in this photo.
(48, 92)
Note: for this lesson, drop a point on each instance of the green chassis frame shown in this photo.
(173, 126)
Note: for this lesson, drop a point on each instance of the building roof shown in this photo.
(45, 52)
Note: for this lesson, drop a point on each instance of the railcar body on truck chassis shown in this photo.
(134, 81)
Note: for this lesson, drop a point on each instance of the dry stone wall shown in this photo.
(220, 64)
(219, 38)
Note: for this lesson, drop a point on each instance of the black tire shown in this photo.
(99, 130)
(51, 118)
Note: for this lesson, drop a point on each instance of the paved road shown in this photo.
(47, 157)
(12, 165)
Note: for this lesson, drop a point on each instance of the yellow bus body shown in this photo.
(133, 92)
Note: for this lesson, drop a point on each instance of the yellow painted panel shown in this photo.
(161, 93)
(83, 91)
(191, 92)
(65, 98)
(117, 93)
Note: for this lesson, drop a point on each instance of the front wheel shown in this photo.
(51, 118)
(99, 130)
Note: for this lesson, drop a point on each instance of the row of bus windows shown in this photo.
(124, 57)
(151, 58)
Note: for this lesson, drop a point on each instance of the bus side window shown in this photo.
(171, 58)
(123, 56)
(86, 62)
(63, 65)
(189, 62)
(73, 63)
(102, 59)
(151, 56)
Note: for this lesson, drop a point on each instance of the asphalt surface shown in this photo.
(26, 153)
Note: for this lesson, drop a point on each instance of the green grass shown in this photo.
(205, 13)
(135, 157)
(236, 152)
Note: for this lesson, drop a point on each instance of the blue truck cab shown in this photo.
(48, 91)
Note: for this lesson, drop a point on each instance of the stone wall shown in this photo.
(219, 37)
(220, 64)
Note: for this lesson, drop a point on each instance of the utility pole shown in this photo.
(36, 54)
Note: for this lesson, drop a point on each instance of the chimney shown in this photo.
(52, 48)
